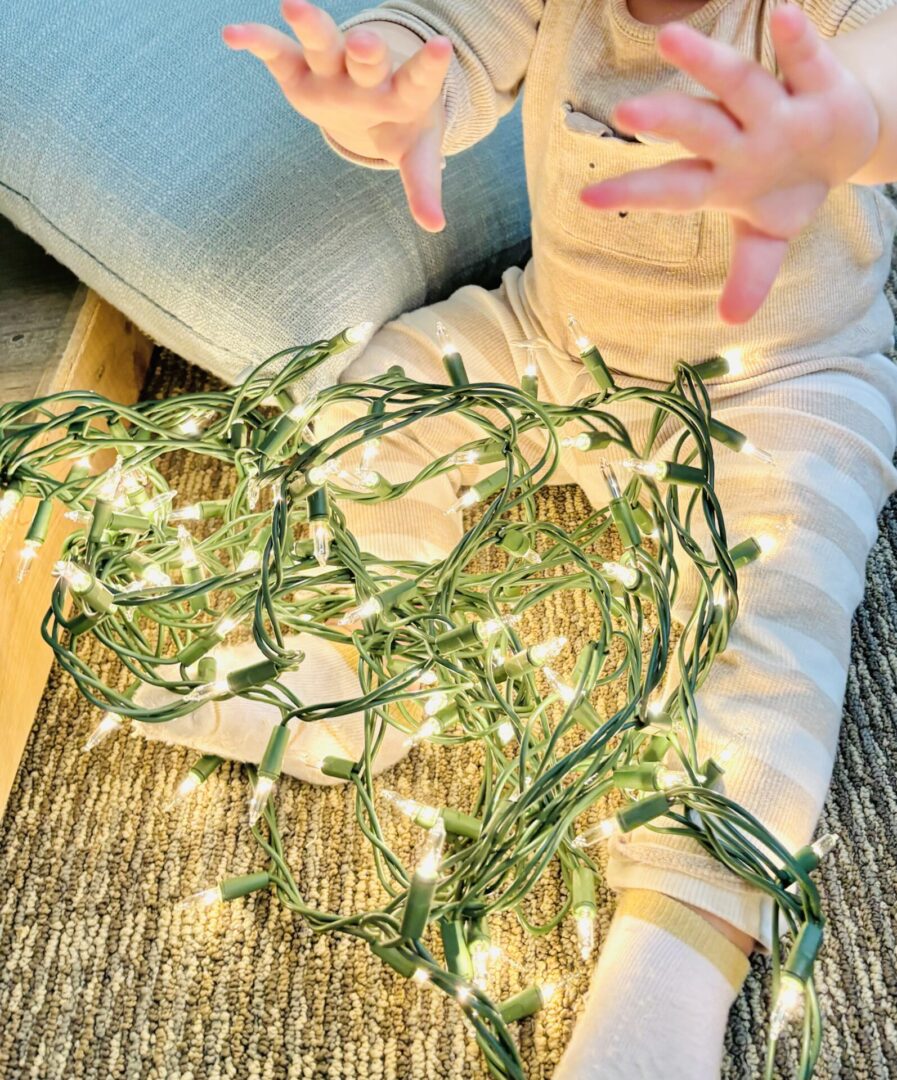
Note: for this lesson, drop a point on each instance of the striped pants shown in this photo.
(780, 683)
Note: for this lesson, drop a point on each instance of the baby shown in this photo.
(698, 187)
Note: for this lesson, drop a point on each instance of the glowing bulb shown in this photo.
(597, 834)
(547, 650)
(112, 480)
(729, 751)
(80, 517)
(203, 898)
(428, 868)
(228, 623)
(366, 610)
(482, 953)
(582, 441)
(547, 992)
(184, 790)
(157, 503)
(583, 343)
(613, 485)
(734, 359)
(585, 931)
(766, 542)
(445, 342)
(425, 731)
(531, 371)
(428, 678)
(426, 816)
(76, 577)
(665, 778)
(189, 559)
(825, 844)
(655, 707)
(564, 691)
(369, 455)
(435, 703)
(9, 500)
(318, 475)
(187, 513)
(465, 457)
(155, 577)
(463, 994)
(355, 335)
(788, 999)
(264, 785)
(654, 469)
(627, 576)
(251, 560)
(465, 502)
(207, 691)
(421, 976)
(505, 732)
(301, 411)
(321, 538)
(190, 426)
(26, 557)
(110, 723)
(489, 627)
(755, 452)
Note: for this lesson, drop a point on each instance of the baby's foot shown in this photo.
(660, 996)
(238, 729)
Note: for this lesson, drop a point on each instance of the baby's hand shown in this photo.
(767, 152)
(375, 90)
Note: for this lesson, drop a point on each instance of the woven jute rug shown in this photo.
(102, 975)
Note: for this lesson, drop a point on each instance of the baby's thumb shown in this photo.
(421, 172)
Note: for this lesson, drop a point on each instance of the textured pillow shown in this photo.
(169, 175)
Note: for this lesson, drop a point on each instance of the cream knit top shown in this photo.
(644, 284)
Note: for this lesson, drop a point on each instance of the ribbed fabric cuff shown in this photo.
(690, 928)
(747, 909)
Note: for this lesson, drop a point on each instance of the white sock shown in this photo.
(238, 729)
(660, 996)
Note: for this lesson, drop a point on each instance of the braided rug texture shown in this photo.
(103, 976)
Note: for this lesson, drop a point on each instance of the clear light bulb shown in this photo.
(27, 556)
(428, 867)
(446, 344)
(583, 343)
(203, 898)
(825, 844)
(735, 359)
(301, 411)
(755, 452)
(80, 517)
(627, 576)
(654, 469)
(208, 691)
(725, 757)
(582, 441)
(155, 577)
(463, 994)
(465, 457)
(184, 790)
(264, 785)
(355, 335)
(666, 778)
(321, 538)
(158, 503)
(228, 623)
(531, 371)
(465, 502)
(189, 558)
(435, 703)
(109, 724)
(421, 976)
(547, 650)
(547, 992)
(251, 560)
(585, 931)
(428, 678)
(564, 691)
(597, 834)
(481, 957)
(367, 609)
(76, 577)
(9, 500)
(427, 730)
(193, 512)
(766, 542)
(411, 808)
(505, 732)
(610, 478)
(788, 1000)
(112, 480)
(318, 475)
(490, 627)
(369, 455)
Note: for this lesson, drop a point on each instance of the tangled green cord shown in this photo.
(439, 653)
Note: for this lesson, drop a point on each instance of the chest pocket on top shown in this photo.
(584, 151)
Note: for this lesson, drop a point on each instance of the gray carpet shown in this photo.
(102, 975)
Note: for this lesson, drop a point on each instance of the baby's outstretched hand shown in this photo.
(377, 91)
(766, 152)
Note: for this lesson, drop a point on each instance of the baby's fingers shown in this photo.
(755, 263)
(280, 54)
(421, 172)
(807, 64)
(676, 187)
(321, 38)
(368, 59)
(418, 82)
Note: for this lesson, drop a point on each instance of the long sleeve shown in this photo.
(832, 17)
(493, 42)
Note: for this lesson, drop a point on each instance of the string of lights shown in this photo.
(440, 653)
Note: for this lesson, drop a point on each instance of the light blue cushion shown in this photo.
(169, 175)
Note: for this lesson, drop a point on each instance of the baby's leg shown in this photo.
(779, 686)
